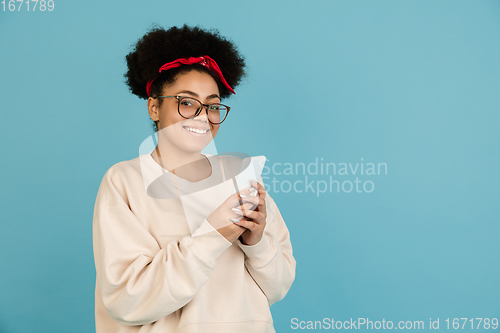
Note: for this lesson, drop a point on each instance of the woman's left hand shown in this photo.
(253, 212)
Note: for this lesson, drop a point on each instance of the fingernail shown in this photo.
(243, 196)
(252, 189)
(237, 210)
(235, 220)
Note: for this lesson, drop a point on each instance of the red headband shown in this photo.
(203, 60)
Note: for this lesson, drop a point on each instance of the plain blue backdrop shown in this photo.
(412, 84)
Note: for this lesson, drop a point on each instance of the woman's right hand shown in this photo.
(220, 218)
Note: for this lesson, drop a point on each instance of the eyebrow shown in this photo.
(189, 92)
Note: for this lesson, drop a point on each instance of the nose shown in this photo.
(203, 113)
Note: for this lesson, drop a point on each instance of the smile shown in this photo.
(196, 130)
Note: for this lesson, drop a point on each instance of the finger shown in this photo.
(237, 198)
(248, 206)
(250, 225)
(256, 217)
(245, 207)
(262, 194)
(238, 211)
(258, 201)
(251, 199)
(248, 192)
(262, 191)
(236, 222)
(243, 210)
(248, 213)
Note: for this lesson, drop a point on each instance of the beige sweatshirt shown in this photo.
(161, 267)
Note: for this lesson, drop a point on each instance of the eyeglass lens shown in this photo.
(189, 106)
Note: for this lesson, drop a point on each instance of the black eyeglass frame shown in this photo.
(180, 98)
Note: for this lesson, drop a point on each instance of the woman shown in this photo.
(176, 248)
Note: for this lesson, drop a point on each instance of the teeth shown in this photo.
(196, 130)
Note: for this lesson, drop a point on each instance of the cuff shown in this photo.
(209, 241)
(261, 253)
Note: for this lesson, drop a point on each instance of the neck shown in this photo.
(192, 166)
(172, 158)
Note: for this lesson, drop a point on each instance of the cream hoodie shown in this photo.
(161, 267)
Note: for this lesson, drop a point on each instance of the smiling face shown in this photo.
(177, 132)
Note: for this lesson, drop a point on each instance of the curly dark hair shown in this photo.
(159, 46)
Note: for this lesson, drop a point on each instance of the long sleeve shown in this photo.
(139, 281)
(270, 262)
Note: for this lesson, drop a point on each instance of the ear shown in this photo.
(153, 109)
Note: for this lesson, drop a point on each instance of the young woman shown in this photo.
(176, 247)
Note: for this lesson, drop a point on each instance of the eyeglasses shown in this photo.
(189, 107)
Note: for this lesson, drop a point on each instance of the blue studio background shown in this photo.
(410, 86)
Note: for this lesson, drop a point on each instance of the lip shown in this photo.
(197, 134)
(198, 128)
